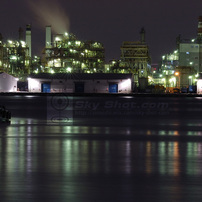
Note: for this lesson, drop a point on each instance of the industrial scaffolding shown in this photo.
(67, 54)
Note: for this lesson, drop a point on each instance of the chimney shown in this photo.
(20, 34)
(200, 26)
(28, 39)
(48, 37)
(142, 35)
(1, 38)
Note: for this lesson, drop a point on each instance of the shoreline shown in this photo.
(103, 94)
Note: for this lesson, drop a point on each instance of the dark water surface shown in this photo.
(102, 152)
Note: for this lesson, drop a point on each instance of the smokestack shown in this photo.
(29, 39)
(20, 34)
(1, 38)
(200, 26)
(48, 37)
(142, 35)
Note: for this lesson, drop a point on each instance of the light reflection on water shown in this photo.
(23, 145)
(131, 158)
(23, 129)
(35, 154)
(54, 157)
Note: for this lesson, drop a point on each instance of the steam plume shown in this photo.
(50, 13)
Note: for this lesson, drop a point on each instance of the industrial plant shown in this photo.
(134, 59)
(65, 54)
(15, 56)
(181, 68)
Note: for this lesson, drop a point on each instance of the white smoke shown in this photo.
(50, 13)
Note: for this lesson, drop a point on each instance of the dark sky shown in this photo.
(108, 21)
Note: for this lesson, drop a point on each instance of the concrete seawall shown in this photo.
(105, 109)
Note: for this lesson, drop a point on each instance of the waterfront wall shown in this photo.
(105, 110)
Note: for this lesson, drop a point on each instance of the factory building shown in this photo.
(15, 55)
(65, 53)
(169, 63)
(182, 67)
(135, 59)
(190, 50)
(80, 83)
(8, 83)
(135, 56)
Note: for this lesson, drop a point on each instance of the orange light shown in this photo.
(177, 73)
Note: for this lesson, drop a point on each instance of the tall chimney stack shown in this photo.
(200, 26)
(29, 39)
(1, 38)
(20, 34)
(142, 35)
(48, 37)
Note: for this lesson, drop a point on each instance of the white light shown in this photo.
(78, 42)
(172, 80)
(199, 86)
(57, 39)
(23, 43)
(34, 85)
(13, 57)
(126, 83)
(69, 69)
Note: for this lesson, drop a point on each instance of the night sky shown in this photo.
(108, 21)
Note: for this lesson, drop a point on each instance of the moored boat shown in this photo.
(5, 115)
